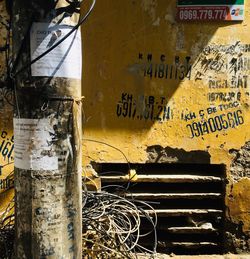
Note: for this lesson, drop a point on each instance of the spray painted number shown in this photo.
(6, 145)
(47, 251)
(148, 112)
(144, 108)
(215, 124)
(176, 72)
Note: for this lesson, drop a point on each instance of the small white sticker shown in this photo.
(63, 61)
(33, 145)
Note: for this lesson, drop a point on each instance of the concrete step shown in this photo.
(182, 178)
(157, 196)
(192, 244)
(192, 230)
(183, 212)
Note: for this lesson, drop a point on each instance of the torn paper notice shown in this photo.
(33, 145)
(63, 61)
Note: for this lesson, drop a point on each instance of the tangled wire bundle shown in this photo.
(111, 226)
(7, 232)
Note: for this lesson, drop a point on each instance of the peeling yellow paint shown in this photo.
(238, 203)
(118, 36)
(120, 49)
(6, 113)
(113, 39)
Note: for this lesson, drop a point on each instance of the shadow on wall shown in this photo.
(158, 154)
(136, 56)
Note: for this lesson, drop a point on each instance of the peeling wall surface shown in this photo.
(167, 91)
(163, 91)
(6, 114)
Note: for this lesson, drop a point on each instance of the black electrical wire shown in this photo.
(21, 48)
(106, 144)
(128, 183)
(81, 21)
(112, 226)
(6, 50)
(7, 231)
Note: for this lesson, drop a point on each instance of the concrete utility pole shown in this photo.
(47, 130)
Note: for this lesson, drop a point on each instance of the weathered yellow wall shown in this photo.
(6, 132)
(239, 203)
(117, 40)
(113, 39)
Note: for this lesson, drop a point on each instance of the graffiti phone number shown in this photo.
(215, 124)
(194, 14)
(143, 108)
(6, 145)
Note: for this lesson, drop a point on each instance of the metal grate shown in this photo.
(188, 199)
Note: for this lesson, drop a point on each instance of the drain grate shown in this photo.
(188, 199)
